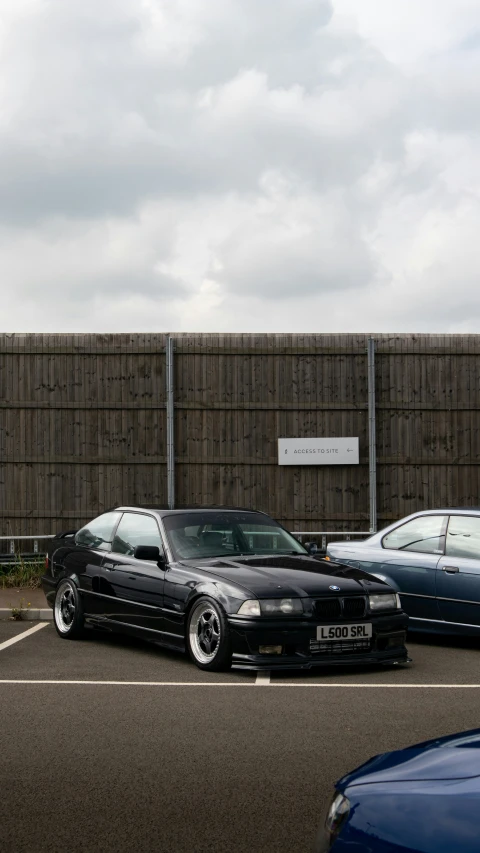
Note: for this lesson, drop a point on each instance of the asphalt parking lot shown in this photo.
(111, 744)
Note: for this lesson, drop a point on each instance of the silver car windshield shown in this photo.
(219, 534)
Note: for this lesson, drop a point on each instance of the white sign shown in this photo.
(318, 451)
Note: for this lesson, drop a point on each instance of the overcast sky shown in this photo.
(240, 165)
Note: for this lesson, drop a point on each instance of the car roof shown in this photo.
(447, 509)
(163, 511)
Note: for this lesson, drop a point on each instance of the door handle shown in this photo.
(108, 565)
(450, 570)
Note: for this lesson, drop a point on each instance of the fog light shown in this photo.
(270, 650)
(397, 640)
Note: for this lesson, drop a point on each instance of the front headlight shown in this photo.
(336, 816)
(249, 608)
(272, 607)
(285, 606)
(389, 601)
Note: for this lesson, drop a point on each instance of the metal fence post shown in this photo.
(170, 424)
(372, 444)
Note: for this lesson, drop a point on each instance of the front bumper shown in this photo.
(387, 645)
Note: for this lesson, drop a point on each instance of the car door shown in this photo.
(458, 572)
(136, 586)
(85, 558)
(409, 556)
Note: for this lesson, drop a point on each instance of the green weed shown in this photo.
(24, 573)
(19, 612)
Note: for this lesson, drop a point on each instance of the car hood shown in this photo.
(345, 547)
(279, 576)
(452, 757)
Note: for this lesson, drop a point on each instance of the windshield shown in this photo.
(227, 534)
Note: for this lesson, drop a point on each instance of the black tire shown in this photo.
(208, 636)
(68, 611)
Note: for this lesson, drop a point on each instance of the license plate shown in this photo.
(344, 632)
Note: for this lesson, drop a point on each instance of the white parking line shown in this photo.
(377, 686)
(262, 678)
(22, 635)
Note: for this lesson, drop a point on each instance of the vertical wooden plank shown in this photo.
(68, 399)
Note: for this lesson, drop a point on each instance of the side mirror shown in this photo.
(311, 547)
(147, 552)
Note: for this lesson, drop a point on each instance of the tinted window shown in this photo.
(220, 534)
(99, 532)
(135, 529)
(425, 534)
(463, 537)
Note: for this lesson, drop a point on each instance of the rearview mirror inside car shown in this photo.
(147, 552)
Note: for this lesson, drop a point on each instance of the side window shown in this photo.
(463, 537)
(425, 534)
(99, 532)
(136, 529)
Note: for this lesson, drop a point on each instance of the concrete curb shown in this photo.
(32, 614)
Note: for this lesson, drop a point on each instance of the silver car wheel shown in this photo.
(204, 632)
(65, 607)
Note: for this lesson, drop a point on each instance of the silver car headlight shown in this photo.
(278, 606)
(249, 608)
(384, 601)
(272, 607)
(336, 815)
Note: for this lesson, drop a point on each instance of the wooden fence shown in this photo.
(83, 425)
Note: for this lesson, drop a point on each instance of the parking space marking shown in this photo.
(22, 636)
(132, 683)
(262, 678)
(373, 686)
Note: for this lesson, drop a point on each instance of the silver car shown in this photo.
(432, 559)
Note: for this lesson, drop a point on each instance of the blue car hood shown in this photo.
(452, 757)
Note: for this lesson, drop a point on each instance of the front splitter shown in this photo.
(273, 666)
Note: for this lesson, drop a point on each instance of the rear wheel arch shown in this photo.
(66, 576)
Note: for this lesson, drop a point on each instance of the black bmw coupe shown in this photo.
(230, 586)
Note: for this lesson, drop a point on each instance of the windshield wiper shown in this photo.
(295, 553)
(223, 556)
(230, 556)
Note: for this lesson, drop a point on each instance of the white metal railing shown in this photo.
(35, 539)
(344, 534)
(324, 533)
(329, 533)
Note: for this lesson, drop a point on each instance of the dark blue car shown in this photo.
(423, 799)
(432, 559)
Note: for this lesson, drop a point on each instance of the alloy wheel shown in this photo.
(65, 606)
(205, 633)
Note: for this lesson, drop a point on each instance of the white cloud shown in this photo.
(236, 164)
(412, 31)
